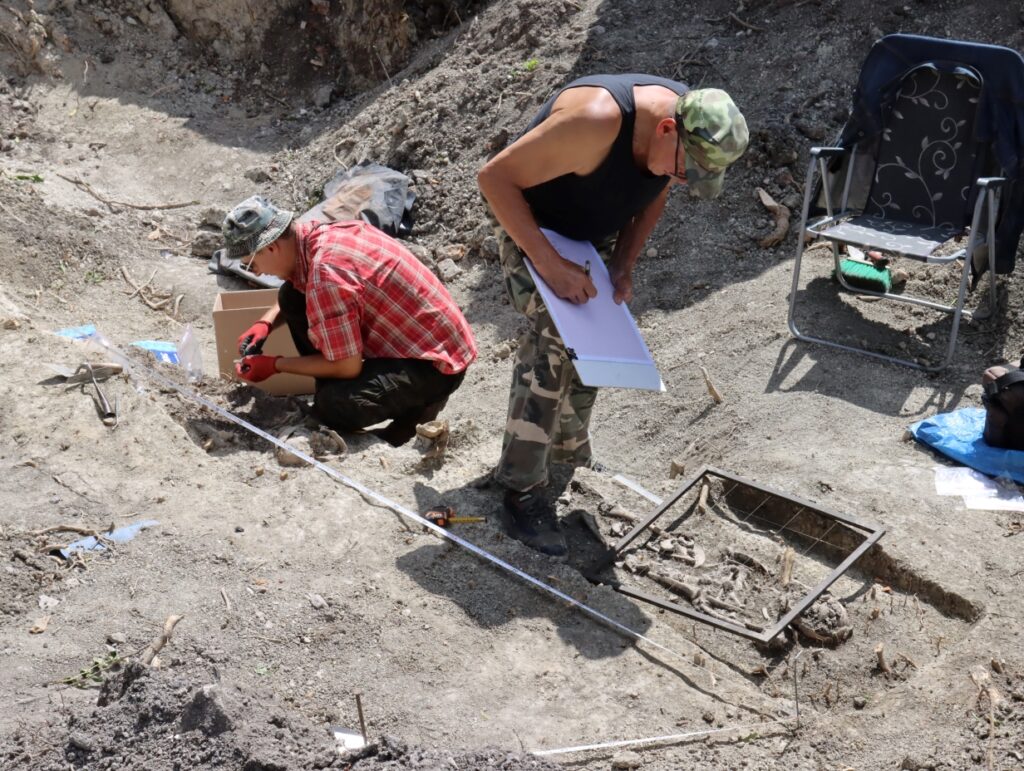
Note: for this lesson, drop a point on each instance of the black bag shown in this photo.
(1004, 411)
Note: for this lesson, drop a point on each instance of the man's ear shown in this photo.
(666, 126)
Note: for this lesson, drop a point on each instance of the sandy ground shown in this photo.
(297, 592)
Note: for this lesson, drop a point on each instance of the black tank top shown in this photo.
(598, 205)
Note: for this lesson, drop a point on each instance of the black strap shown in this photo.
(1005, 381)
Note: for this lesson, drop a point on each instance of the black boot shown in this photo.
(535, 524)
(403, 428)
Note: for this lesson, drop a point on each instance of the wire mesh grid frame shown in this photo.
(835, 536)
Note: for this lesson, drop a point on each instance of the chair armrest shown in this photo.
(828, 152)
(986, 182)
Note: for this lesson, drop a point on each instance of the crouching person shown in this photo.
(376, 329)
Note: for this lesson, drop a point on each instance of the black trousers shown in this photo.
(405, 391)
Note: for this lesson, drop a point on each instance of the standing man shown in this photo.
(595, 164)
(377, 329)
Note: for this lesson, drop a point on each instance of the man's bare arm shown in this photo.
(317, 365)
(629, 243)
(572, 140)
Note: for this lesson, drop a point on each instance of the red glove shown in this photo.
(256, 368)
(253, 338)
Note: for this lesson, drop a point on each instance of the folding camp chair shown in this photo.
(925, 188)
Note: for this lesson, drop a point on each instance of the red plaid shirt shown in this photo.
(367, 295)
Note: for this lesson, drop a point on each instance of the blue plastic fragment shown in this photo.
(161, 350)
(120, 535)
(78, 333)
(958, 435)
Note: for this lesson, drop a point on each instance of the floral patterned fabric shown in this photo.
(926, 166)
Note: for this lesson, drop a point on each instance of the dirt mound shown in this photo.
(170, 719)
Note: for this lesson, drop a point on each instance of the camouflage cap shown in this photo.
(714, 134)
(253, 225)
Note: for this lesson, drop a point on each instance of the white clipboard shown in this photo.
(602, 338)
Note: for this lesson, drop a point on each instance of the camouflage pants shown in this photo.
(548, 407)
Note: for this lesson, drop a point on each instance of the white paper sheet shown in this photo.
(608, 348)
(979, 491)
(961, 480)
(993, 503)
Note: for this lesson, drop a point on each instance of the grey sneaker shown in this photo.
(535, 524)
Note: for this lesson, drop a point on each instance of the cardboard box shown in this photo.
(235, 312)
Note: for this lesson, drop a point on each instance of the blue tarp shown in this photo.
(958, 435)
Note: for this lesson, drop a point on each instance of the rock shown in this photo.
(422, 254)
(206, 243)
(502, 351)
(80, 741)
(318, 602)
(910, 763)
(652, 252)
(454, 252)
(489, 248)
(208, 712)
(448, 270)
(322, 96)
(117, 638)
(256, 174)
(859, 702)
(46, 601)
(213, 218)
(627, 759)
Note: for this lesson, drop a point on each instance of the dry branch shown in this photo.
(112, 204)
(786, 573)
(702, 501)
(780, 213)
(883, 665)
(160, 640)
(715, 394)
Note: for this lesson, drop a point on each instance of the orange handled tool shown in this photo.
(442, 516)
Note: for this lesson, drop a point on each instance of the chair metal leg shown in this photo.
(993, 304)
(957, 309)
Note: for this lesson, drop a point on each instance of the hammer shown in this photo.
(442, 516)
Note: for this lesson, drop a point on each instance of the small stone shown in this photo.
(489, 247)
(626, 760)
(859, 702)
(82, 742)
(239, 529)
(318, 602)
(322, 96)
(502, 351)
(453, 252)
(652, 252)
(46, 601)
(256, 174)
(206, 243)
(448, 270)
(213, 217)
(117, 638)
(422, 254)
(910, 763)
(708, 717)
